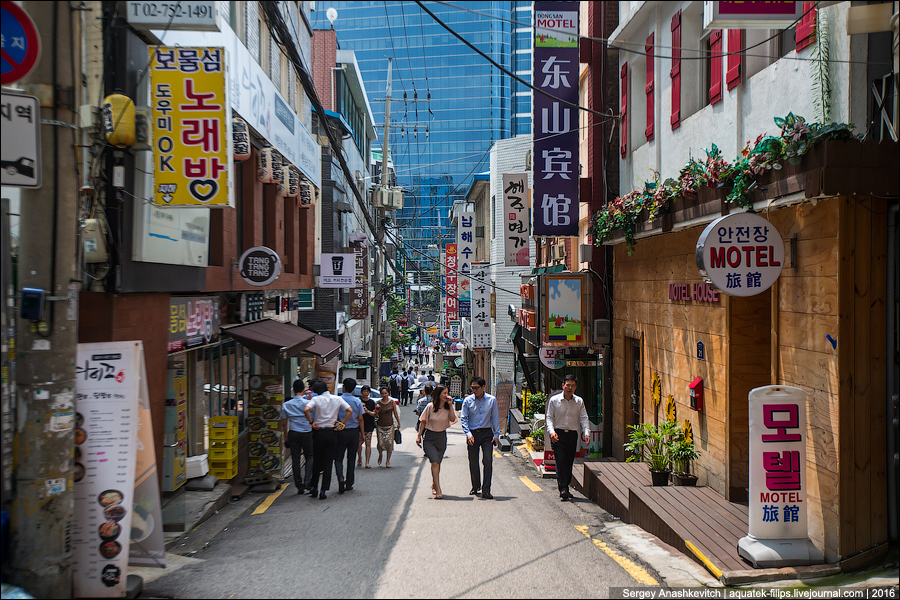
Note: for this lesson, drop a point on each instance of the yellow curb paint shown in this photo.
(497, 454)
(640, 575)
(716, 571)
(530, 484)
(268, 501)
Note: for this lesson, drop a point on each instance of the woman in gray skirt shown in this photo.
(433, 424)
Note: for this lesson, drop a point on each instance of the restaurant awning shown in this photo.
(273, 340)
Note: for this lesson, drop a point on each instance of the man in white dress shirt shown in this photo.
(565, 411)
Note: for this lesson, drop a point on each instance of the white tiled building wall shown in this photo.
(507, 156)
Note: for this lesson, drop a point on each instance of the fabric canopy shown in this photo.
(273, 340)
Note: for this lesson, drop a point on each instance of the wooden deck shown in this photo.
(676, 515)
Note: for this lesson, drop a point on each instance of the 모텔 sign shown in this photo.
(740, 254)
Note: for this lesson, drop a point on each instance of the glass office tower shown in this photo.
(448, 104)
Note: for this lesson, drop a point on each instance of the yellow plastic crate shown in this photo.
(223, 428)
(223, 469)
(224, 474)
(223, 453)
(232, 443)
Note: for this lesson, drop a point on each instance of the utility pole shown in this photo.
(42, 506)
(379, 287)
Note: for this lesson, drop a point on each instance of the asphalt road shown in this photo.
(389, 538)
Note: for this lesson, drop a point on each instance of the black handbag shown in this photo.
(398, 438)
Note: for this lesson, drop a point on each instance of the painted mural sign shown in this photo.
(555, 118)
(564, 323)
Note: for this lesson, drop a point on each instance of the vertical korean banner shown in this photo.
(452, 302)
(359, 296)
(555, 71)
(516, 219)
(465, 249)
(191, 127)
(108, 384)
(481, 306)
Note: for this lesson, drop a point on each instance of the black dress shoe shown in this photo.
(348, 488)
(340, 486)
(322, 495)
(313, 493)
(473, 492)
(487, 496)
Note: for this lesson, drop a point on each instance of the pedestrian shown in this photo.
(430, 375)
(387, 414)
(327, 408)
(480, 420)
(424, 399)
(565, 411)
(404, 388)
(433, 423)
(368, 423)
(395, 384)
(423, 376)
(298, 433)
(349, 439)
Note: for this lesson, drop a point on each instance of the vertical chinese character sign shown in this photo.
(481, 306)
(191, 157)
(516, 219)
(555, 118)
(465, 249)
(778, 501)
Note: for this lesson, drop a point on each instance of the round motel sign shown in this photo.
(21, 46)
(740, 254)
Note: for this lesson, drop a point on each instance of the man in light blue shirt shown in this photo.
(480, 420)
(349, 439)
(298, 433)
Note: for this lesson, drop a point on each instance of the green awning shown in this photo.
(516, 331)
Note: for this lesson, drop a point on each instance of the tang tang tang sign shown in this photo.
(555, 118)
(192, 161)
(516, 219)
(481, 306)
(465, 249)
(740, 254)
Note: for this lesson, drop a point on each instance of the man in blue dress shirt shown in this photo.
(349, 439)
(298, 433)
(480, 420)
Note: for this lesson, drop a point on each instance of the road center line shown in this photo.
(268, 501)
(630, 567)
(530, 484)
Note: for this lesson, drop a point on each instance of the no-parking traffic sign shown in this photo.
(21, 44)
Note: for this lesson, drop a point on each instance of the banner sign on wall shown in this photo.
(516, 219)
(191, 126)
(359, 296)
(465, 250)
(741, 254)
(565, 320)
(778, 481)
(481, 306)
(338, 271)
(452, 303)
(193, 322)
(555, 71)
(108, 385)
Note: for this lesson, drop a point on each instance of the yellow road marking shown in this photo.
(530, 484)
(497, 454)
(268, 501)
(716, 571)
(634, 570)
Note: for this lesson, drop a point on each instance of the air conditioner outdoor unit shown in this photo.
(479, 231)
(390, 198)
(602, 333)
(584, 252)
(558, 252)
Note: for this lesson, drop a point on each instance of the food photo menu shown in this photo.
(108, 383)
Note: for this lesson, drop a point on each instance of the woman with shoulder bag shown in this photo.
(387, 413)
(433, 424)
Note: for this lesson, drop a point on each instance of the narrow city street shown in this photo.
(389, 538)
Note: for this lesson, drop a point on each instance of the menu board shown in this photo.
(108, 380)
(264, 424)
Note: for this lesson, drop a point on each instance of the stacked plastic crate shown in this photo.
(223, 447)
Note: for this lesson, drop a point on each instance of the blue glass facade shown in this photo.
(436, 145)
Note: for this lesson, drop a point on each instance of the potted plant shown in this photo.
(537, 438)
(650, 444)
(682, 452)
(536, 405)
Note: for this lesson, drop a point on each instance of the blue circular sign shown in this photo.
(21, 46)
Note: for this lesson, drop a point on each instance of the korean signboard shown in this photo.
(481, 306)
(359, 296)
(108, 384)
(778, 482)
(516, 219)
(555, 118)
(465, 249)
(740, 254)
(20, 149)
(338, 271)
(193, 322)
(451, 304)
(191, 126)
(566, 297)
